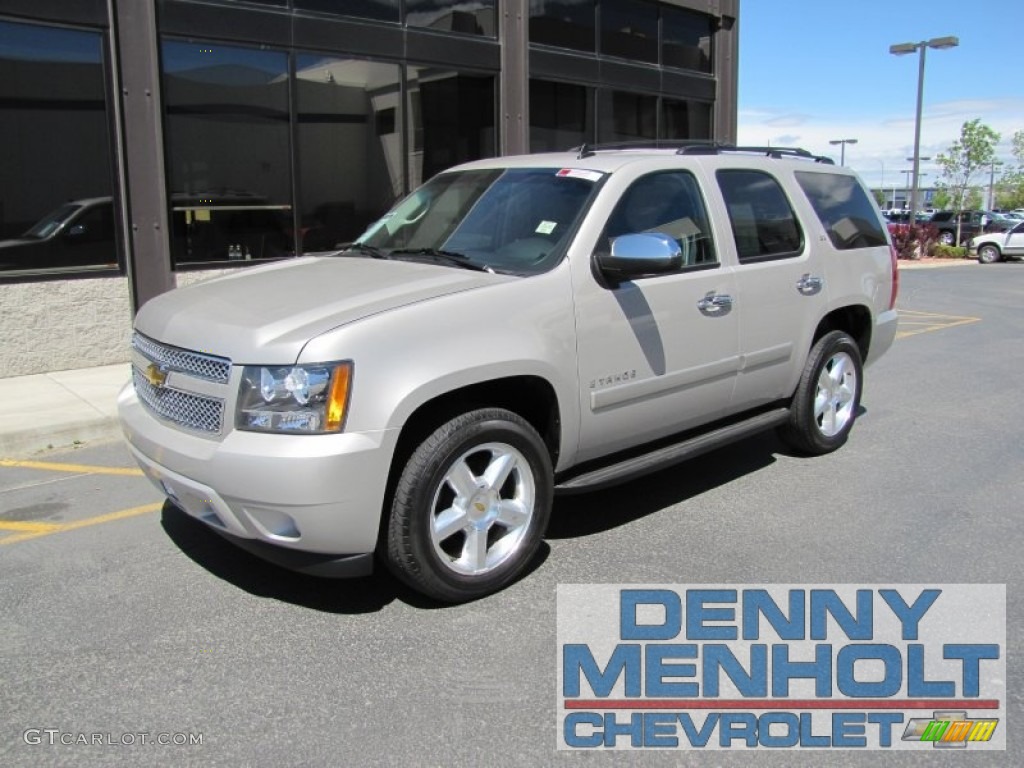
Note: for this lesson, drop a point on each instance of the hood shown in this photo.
(265, 315)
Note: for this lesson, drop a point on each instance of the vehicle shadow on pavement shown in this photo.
(367, 594)
(584, 514)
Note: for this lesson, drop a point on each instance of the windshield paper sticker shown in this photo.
(580, 173)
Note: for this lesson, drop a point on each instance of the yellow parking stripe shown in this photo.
(84, 469)
(917, 322)
(21, 525)
(35, 530)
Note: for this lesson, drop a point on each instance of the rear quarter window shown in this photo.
(844, 209)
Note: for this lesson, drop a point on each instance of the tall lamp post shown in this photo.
(917, 184)
(901, 49)
(842, 150)
(992, 182)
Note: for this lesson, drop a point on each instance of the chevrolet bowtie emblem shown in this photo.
(156, 375)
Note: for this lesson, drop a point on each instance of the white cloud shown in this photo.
(884, 141)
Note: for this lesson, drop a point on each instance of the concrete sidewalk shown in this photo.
(60, 409)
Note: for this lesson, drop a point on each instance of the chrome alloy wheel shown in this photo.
(836, 395)
(482, 508)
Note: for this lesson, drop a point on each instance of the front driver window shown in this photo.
(670, 203)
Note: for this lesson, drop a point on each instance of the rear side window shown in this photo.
(844, 209)
(763, 223)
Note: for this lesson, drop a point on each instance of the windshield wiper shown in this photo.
(447, 257)
(370, 250)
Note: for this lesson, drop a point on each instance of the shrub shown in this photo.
(912, 241)
(940, 251)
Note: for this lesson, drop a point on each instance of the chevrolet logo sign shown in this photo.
(155, 375)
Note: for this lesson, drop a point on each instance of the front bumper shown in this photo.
(302, 501)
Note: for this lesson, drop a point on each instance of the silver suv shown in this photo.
(515, 327)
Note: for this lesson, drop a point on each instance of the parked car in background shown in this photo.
(970, 224)
(996, 246)
(77, 234)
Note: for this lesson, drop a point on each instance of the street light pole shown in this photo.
(901, 49)
(842, 150)
(992, 180)
(917, 184)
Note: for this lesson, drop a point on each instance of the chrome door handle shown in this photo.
(809, 285)
(715, 304)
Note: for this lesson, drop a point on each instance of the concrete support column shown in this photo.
(140, 140)
(726, 69)
(514, 85)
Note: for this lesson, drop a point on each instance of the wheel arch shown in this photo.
(531, 397)
(853, 319)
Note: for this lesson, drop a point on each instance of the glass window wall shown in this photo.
(228, 155)
(56, 209)
(349, 146)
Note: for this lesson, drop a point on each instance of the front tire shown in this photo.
(946, 238)
(988, 254)
(471, 506)
(827, 398)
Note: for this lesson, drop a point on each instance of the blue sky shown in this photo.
(815, 70)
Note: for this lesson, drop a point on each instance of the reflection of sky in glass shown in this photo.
(29, 42)
(183, 58)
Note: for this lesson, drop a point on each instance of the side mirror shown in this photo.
(641, 255)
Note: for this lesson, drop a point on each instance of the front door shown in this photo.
(660, 354)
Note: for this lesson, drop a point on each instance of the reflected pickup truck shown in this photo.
(515, 327)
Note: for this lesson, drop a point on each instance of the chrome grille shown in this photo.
(174, 359)
(203, 414)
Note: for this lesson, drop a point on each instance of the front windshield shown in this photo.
(509, 220)
(50, 223)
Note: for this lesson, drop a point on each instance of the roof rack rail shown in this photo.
(713, 148)
(588, 149)
(698, 147)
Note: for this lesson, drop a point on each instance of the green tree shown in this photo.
(941, 200)
(879, 197)
(962, 164)
(1010, 192)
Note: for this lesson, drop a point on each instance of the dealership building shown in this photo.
(151, 143)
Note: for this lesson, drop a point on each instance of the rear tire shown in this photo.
(827, 398)
(471, 506)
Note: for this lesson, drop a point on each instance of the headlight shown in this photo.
(300, 398)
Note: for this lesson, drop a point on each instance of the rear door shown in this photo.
(781, 287)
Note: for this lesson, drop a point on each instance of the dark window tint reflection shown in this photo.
(349, 146)
(227, 149)
(471, 17)
(629, 29)
(382, 10)
(55, 186)
(626, 116)
(686, 39)
(843, 207)
(763, 223)
(685, 119)
(561, 115)
(563, 23)
(452, 120)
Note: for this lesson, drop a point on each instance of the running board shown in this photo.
(638, 466)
